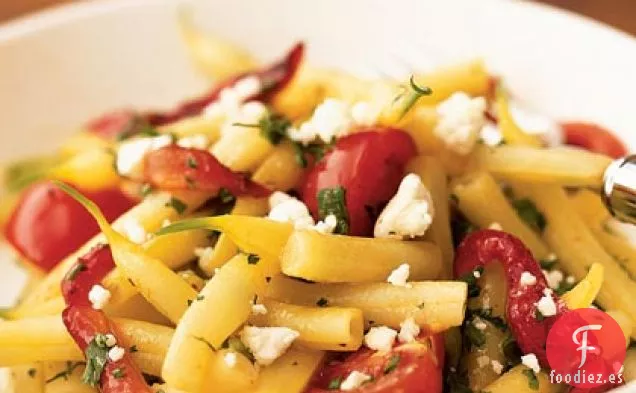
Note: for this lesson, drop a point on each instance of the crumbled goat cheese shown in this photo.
(409, 213)
(400, 275)
(267, 343)
(247, 114)
(354, 381)
(116, 353)
(554, 278)
(476, 274)
(230, 359)
(134, 231)
(284, 208)
(527, 279)
(495, 226)
(198, 141)
(204, 254)
(491, 135)
(483, 361)
(328, 225)
(110, 340)
(546, 305)
(497, 367)
(98, 296)
(230, 98)
(530, 360)
(364, 114)
(259, 309)
(479, 324)
(409, 330)
(460, 120)
(131, 153)
(570, 280)
(380, 338)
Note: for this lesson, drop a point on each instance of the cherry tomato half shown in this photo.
(369, 165)
(408, 368)
(593, 138)
(47, 224)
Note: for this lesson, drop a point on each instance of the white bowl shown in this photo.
(63, 66)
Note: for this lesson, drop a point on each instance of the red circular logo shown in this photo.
(586, 348)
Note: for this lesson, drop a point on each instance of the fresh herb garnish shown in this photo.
(322, 302)
(236, 345)
(70, 367)
(511, 350)
(206, 342)
(273, 127)
(470, 279)
(253, 259)
(486, 314)
(474, 336)
(133, 349)
(118, 373)
(20, 174)
(533, 381)
(335, 383)
(548, 264)
(192, 162)
(316, 150)
(392, 364)
(225, 196)
(538, 316)
(96, 354)
(145, 190)
(332, 201)
(409, 96)
(74, 271)
(177, 204)
(529, 213)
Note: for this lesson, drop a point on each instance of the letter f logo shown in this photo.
(583, 347)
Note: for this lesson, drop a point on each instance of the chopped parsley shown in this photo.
(133, 349)
(335, 383)
(538, 316)
(548, 264)
(177, 204)
(236, 345)
(475, 337)
(273, 127)
(392, 364)
(529, 213)
(225, 196)
(74, 271)
(470, 279)
(192, 162)
(96, 354)
(206, 342)
(322, 302)
(31, 372)
(118, 373)
(486, 314)
(533, 381)
(70, 367)
(253, 259)
(409, 96)
(333, 201)
(145, 190)
(315, 150)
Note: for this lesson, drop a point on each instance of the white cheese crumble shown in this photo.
(197, 141)
(479, 324)
(259, 309)
(328, 225)
(230, 98)
(110, 340)
(284, 208)
(527, 279)
(530, 360)
(491, 135)
(460, 120)
(134, 231)
(476, 274)
(570, 280)
(536, 124)
(409, 330)
(250, 113)
(230, 359)
(354, 380)
(98, 296)
(380, 338)
(131, 153)
(497, 367)
(409, 213)
(546, 305)
(204, 254)
(554, 278)
(267, 343)
(400, 275)
(495, 226)
(333, 118)
(483, 361)
(116, 353)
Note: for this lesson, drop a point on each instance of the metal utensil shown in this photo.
(619, 189)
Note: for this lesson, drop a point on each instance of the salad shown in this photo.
(297, 229)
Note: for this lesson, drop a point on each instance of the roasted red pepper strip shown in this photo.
(273, 79)
(175, 167)
(89, 270)
(84, 323)
(487, 246)
(593, 138)
(127, 122)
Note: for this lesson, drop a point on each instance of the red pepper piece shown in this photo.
(89, 270)
(487, 246)
(369, 165)
(175, 167)
(593, 138)
(84, 323)
(273, 79)
(113, 125)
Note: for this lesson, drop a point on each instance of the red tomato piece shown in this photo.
(89, 270)
(594, 138)
(408, 368)
(83, 323)
(115, 124)
(369, 165)
(175, 167)
(47, 224)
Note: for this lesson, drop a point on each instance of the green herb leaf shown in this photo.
(529, 213)
(70, 367)
(470, 279)
(253, 259)
(192, 162)
(74, 271)
(21, 174)
(118, 373)
(145, 190)
(407, 99)
(315, 150)
(486, 314)
(538, 316)
(177, 205)
(226, 196)
(206, 342)
(133, 349)
(548, 264)
(273, 127)
(475, 336)
(236, 345)
(392, 364)
(335, 383)
(96, 354)
(333, 201)
(322, 302)
(533, 381)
